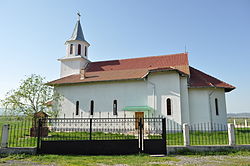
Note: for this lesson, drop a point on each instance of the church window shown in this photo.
(216, 106)
(77, 107)
(85, 51)
(169, 111)
(91, 107)
(71, 49)
(79, 49)
(115, 107)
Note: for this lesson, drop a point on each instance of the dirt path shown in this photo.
(209, 160)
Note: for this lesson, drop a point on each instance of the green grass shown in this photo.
(232, 158)
(68, 160)
(238, 120)
(208, 138)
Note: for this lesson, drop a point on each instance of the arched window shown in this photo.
(91, 107)
(71, 49)
(79, 49)
(216, 106)
(85, 51)
(169, 111)
(77, 107)
(115, 107)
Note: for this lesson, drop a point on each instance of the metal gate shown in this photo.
(101, 136)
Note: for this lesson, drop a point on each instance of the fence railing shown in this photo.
(20, 131)
(208, 134)
(174, 133)
(242, 134)
(89, 129)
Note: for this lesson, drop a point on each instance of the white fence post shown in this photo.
(5, 136)
(234, 122)
(186, 134)
(245, 122)
(231, 134)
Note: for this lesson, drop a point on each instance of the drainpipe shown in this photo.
(210, 109)
(153, 84)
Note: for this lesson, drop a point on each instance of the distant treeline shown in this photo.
(238, 115)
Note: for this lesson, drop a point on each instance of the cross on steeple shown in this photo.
(79, 15)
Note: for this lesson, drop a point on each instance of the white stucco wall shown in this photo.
(185, 115)
(202, 105)
(167, 85)
(127, 93)
(72, 65)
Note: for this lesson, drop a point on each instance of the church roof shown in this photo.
(77, 33)
(199, 79)
(139, 68)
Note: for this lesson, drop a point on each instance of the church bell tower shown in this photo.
(76, 57)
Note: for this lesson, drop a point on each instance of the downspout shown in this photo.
(210, 109)
(153, 84)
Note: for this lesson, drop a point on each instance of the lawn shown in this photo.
(68, 160)
(236, 158)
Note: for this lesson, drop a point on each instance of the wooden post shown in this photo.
(39, 129)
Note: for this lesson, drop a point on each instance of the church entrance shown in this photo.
(138, 115)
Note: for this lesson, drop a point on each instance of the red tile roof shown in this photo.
(138, 68)
(200, 79)
(177, 61)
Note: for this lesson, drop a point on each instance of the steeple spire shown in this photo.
(77, 33)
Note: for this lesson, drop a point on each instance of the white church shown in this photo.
(153, 86)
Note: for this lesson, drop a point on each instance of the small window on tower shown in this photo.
(71, 49)
(79, 49)
(85, 51)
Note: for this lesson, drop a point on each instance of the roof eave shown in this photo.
(227, 89)
(73, 83)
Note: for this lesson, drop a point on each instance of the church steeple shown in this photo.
(77, 45)
(76, 58)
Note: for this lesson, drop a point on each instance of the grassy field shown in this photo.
(238, 120)
(19, 135)
(239, 158)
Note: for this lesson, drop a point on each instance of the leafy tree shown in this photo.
(30, 97)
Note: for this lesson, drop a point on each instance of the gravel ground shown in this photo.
(209, 160)
(218, 160)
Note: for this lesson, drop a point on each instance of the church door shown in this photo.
(138, 115)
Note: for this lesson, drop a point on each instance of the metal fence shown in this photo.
(208, 134)
(242, 134)
(174, 133)
(20, 131)
(89, 129)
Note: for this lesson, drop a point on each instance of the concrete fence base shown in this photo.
(17, 150)
(170, 149)
(205, 148)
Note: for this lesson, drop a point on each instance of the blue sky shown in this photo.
(216, 33)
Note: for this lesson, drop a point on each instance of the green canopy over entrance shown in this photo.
(137, 108)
